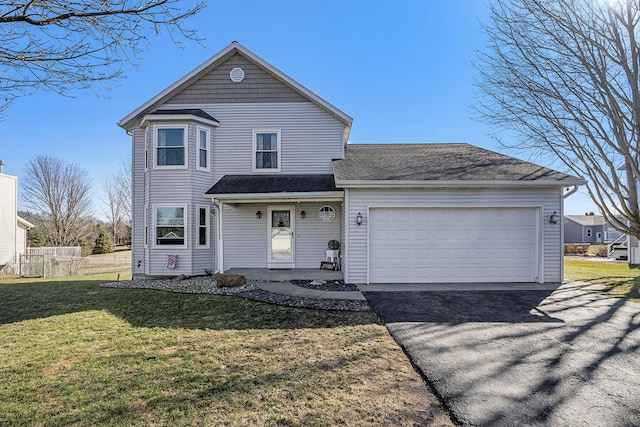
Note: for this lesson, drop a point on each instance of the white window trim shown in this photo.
(155, 226)
(207, 225)
(208, 148)
(185, 141)
(145, 230)
(254, 151)
(146, 149)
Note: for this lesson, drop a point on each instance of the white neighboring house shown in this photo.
(236, 165)
(13, 229)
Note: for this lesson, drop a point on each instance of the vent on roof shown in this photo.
(236, 75)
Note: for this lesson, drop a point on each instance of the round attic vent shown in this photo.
(237, 75)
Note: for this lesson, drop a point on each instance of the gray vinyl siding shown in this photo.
(137, 204)
(358, 200)
(245, 236)
(310, 137)
(313, 234)
(167, 187)
(216, 87)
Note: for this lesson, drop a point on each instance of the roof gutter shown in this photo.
(453, 183)
(328, 196)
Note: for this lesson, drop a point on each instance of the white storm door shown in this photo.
(280, 236)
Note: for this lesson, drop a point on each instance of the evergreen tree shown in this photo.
(103, 243)
(35, 238)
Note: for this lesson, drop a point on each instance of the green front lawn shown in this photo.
(624, 281)
(72, 353)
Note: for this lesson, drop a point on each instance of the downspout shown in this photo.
(573, 190)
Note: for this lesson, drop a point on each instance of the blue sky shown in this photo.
(402, 70)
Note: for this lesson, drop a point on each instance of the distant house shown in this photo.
(13, 229)
(591, 229)
(236, 165)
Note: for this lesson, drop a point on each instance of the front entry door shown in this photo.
(281, 236)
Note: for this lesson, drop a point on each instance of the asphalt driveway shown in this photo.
(525, 357)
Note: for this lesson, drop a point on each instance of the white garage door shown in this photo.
(419, 245)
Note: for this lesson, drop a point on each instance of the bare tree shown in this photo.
(113, 207)
(562, 78)
(117, 201)
(61, 45)
(58, 195)
(125, 192)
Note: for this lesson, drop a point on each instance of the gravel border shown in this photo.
(207, 285)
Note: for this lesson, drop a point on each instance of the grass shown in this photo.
(621, 279)
(73, 353)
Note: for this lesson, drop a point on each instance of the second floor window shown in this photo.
(203, 149)
(266, 151)
(171, 147)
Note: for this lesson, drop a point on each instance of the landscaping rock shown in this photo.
(231, 281)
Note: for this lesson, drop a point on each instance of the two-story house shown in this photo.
(236, 165)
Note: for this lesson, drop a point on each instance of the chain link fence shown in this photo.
(63, 262)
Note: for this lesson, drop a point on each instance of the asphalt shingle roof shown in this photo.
(243, 184)
(193, 111)
(587, 220)
(443, 162)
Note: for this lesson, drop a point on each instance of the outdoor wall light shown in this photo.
(553, 219)
(258, 214)
(359, 218)
(302, 214)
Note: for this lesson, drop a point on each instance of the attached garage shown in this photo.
(449, 213)
(453, 245)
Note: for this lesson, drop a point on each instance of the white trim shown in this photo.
(451, 183)
(208, 148)
(207, 215)
(185, 225)
(540, 224)
(146, 149)
(312, 196)
(23, 222)
(202, 68)
(145, 230)
(150, 118)
(278, 151)
(292, 215)
(185, 141)
(345, 244)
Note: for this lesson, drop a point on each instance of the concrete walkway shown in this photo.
(288, 288)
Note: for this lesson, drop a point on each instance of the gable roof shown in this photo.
(130, 119)
(439, 165)
(587, 220)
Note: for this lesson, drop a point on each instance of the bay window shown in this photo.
(170, 224)
(171, 146)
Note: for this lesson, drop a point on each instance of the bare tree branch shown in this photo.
(61, 45)
(58, 195)
(562, 79)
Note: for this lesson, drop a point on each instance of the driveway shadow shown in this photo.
(460, 306)
(534, 358)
